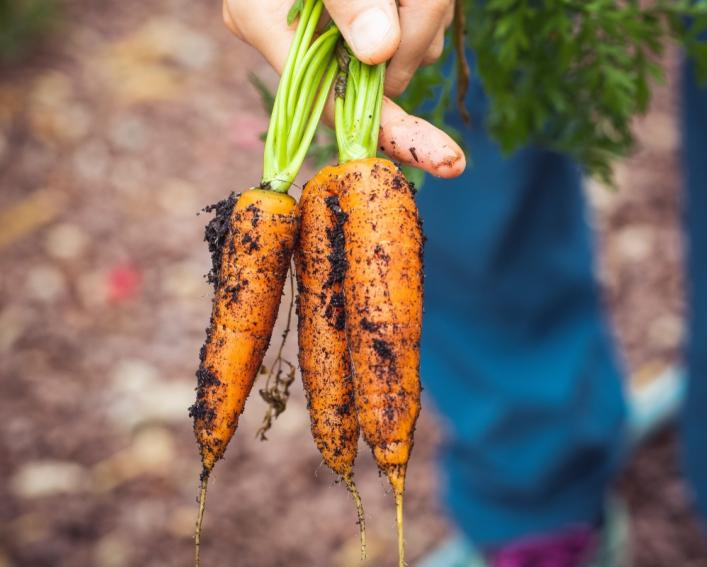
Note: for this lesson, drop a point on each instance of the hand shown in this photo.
(376, 32)
(411, 35)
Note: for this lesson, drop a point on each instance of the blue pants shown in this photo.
(694, 423)
(517, 355)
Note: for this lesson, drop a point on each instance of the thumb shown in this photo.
(264, 29)
(370, 27)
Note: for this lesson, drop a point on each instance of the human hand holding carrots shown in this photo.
(357, 240)
(409, 36)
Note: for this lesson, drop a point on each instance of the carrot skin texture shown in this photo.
(383, 290)
(320, 263)
(323, 353)
(255, 259)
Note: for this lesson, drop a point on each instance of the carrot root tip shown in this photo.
(399, 524)
(396, 477)
(351, 485)
(200, 516)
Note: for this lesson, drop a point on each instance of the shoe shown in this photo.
(654, 400)
(455, 552)
(579, 547)
(573, 547)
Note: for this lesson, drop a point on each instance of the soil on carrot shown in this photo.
(111, 141)
(216, 232)
(383, 349)
(337, 258)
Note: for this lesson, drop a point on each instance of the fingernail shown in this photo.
(369, 33)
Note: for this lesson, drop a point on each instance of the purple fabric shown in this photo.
(571, 548)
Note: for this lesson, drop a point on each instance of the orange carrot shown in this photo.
(323, 353)
(259, 239)
(383, 282)
(262, 230)
(252, 244)
(383, 306)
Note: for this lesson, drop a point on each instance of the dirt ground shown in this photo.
(111, 138)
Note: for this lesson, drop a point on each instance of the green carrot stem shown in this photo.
(307, 36)
(288, 173)
(377, 102)
(284, 87)
(340, 120)
(299, 102)
(310, 27)
(313, 74)
(301, 120)
(360, 101)
(358, 108)
(354, 71)
(321, 48)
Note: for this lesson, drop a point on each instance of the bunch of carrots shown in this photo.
(356, 239)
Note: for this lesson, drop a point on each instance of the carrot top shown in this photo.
(309, 73)
(359, 96)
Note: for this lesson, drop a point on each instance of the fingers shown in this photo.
(414, 141)
(449, 14)
(423, 23)
(265, 30)
(374, 38)
(370, 27)
(435, 50)
(230, 21)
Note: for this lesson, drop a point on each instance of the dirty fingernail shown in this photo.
(370, 33)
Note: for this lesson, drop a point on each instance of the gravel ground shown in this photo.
(111, 138)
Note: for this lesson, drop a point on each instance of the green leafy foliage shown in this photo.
(323, 149)
(569, 75)
(22, 24)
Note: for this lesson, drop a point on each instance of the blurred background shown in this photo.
(119, 121)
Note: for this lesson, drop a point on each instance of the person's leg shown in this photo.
(694, 111)
(516, 353)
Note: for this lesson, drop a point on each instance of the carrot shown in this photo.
(383, 281)
(323, 353)
(252, 242)
(383, 290)
(256, 256)
(258, 245)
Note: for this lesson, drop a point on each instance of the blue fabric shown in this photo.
(694, 115)
(516, 353)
